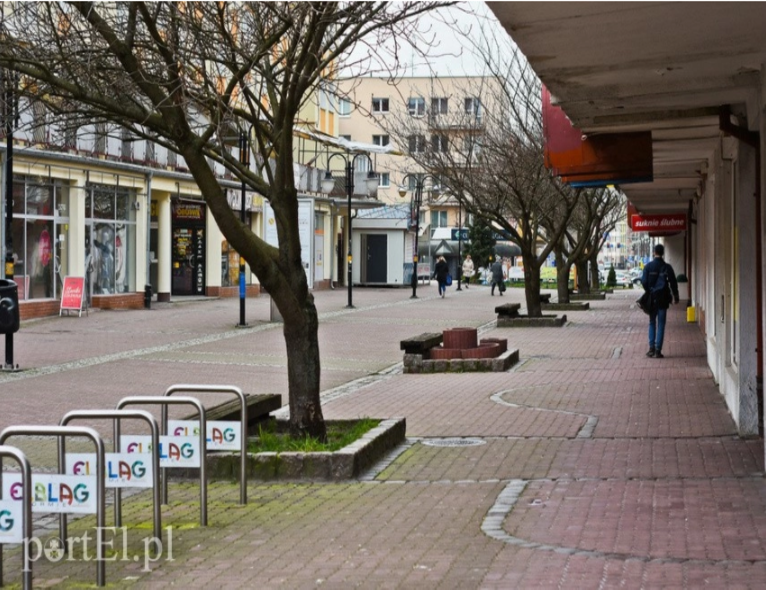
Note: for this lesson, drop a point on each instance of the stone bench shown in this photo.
(420, 344)
(545, 297)
(259, 406)
(508, 310)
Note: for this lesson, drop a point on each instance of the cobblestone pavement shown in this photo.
(587, 465)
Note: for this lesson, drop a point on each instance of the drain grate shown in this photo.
(453, 442)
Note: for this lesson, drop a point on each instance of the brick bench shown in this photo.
(259, 406)
(420, 344)
(508, 310)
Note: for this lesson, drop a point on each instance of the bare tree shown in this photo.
(188, 76)
(597, 212)
(489, 155)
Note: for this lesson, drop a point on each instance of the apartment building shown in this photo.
(413, 116)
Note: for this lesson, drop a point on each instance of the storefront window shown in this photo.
(40, 218)
(110, 240)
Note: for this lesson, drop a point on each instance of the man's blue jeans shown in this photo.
(657, 328)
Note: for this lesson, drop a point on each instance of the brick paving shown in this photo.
(585, 466)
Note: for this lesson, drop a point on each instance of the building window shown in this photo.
(100, 145)
(384, 179)
(150, 151)
(438, 219)
(346, 137)
(472, 106)
(439, 143)
(110, 239)
(344, 107)
(381, 140)
(416, 106)
(379, 105)
(126, 146)
(417, 143)
(39, 123)
(439, 106)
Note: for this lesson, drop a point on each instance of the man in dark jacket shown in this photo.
(659, 279)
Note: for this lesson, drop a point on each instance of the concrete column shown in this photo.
(164, 237)
(212, 253)
(745, 313)
(143, 201)
(76, 233)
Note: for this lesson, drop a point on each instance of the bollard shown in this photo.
(148, 296)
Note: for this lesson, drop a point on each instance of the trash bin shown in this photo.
(148, 296)
(10, 318)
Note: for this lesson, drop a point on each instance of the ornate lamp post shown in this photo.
(328, 184)
(417, 201)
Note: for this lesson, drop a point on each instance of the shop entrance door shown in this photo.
(188, 261)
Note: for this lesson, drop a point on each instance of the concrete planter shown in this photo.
(347, 463)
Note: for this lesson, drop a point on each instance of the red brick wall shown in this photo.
(38, 308)
(250, 291)
(121, 301)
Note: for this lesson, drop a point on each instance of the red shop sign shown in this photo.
(672, 222)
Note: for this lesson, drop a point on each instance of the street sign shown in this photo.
(460, 234)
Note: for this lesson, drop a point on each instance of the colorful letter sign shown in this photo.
(671, 222)
(11, 525)
(222, 435)
(65, 494)
(122, 470)
(175, 451)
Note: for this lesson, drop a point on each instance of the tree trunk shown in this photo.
(594, 280)
(583, 281)
(303, 372)
(562, 277)
(532, 287)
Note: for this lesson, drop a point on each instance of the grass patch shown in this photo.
(339, 434)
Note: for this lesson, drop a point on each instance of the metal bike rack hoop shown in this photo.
(194, 388)
(117, 416)
(62, 431)
(181, 400)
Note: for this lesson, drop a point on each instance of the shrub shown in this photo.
(611, 280)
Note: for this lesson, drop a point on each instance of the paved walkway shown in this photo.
(587, 465)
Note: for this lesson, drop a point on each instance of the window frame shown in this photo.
(378, 104)
(416, 106)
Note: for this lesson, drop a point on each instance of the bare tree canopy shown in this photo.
(490, 156)
(189, 76)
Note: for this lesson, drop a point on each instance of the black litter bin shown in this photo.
(10, 318)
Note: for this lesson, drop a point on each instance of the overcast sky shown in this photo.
(452, 33)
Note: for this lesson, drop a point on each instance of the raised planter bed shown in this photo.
(571, 306)
(547, 321)
(347, 463)
(415, 364)
(588, 296)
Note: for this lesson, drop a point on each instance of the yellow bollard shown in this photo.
(691, 314)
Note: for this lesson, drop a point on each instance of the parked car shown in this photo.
(623, 279)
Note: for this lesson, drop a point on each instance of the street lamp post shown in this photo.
(417, 197)
(459, 244)
(10, 115)
(328, 184)
(244, 159)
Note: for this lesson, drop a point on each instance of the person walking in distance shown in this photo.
(468, 271)
(441, 270)
(498, 280)
(659, 280)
